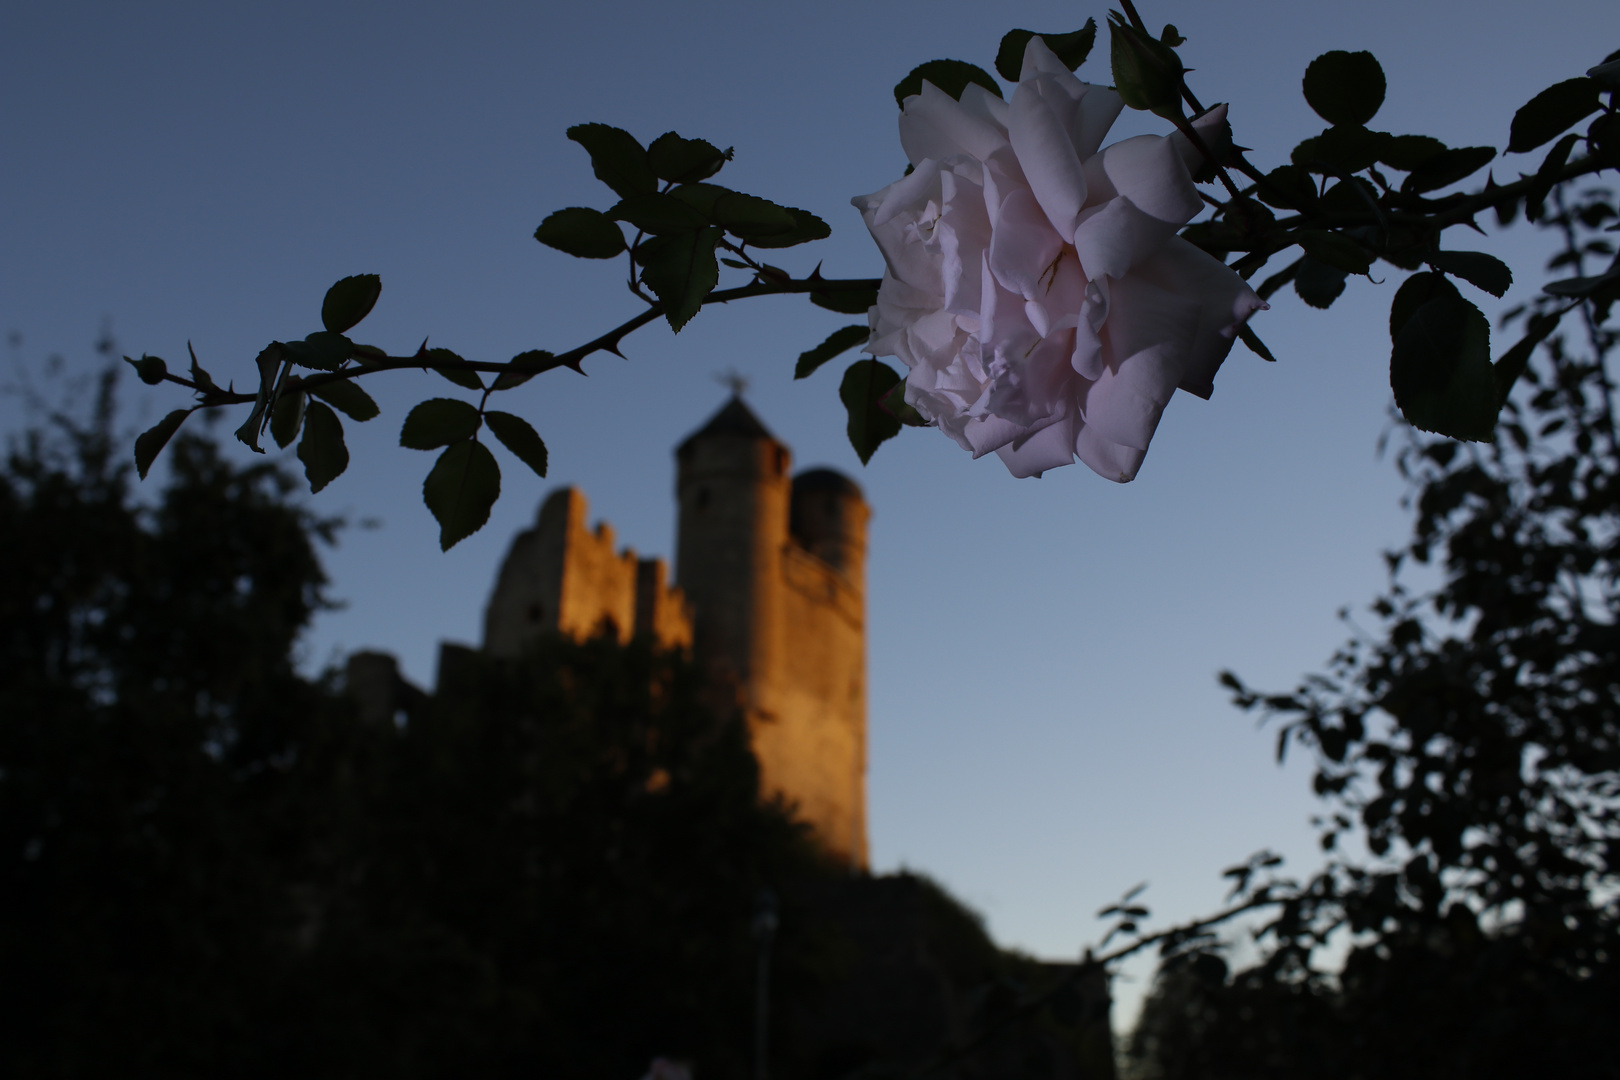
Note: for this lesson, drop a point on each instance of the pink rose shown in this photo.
(1036, 287)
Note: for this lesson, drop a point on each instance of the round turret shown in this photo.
(828, 520)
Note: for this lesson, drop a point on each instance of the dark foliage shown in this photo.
(1473, 743)
(210, 866)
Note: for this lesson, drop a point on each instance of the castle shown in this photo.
(769, 592)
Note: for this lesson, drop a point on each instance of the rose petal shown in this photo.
(1107, 459)
(1212, 130)
(1112, 238)
(935, 125)
(1023, 248)
(1049, 448)
(1040, 137)
(1149, 171)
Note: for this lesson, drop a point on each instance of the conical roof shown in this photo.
(734, 418)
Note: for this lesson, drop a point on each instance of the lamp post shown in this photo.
(765, 922)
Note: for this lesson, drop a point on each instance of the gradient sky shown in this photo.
(1046, 729)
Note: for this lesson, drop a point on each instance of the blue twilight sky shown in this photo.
(1046, 730)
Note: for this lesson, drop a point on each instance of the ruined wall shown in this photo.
(560, 577)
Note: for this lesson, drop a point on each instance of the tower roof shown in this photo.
(734, 418)
(823, 479)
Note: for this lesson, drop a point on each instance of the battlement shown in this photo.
(560, 577)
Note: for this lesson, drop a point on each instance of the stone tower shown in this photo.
(775, 571)
(771, 594)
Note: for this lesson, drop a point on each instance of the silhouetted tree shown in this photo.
(1473, 742)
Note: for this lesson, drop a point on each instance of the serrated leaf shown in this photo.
(1343, 149)
(1072, 49)
(323, 350)
(460, 376)
(1414, 292)
(519, 437)
(1408, 152)
(684, 161)
(617, 158)
(681, 270)
(321, 449)
(1440, 370)
(152, 441)
(846, 301)
(1446, 168)
(951, 76)
(839, 341)
(1317, 283)
(349, 301)
(1552, 112)
(1289, 187)
(862, 391)
(806, 227)
(1336, 250)
(460, 490)
(1279, 279)
(348, 397)
(581, 232)
(749, 217)
(1345, 87)
(286, 418)
(658, 213)
(523, 367)
(1478, 269)
(438, 422)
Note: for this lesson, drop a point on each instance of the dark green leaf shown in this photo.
(321, 449)
(1552, 112)
(349, 301)
(198, 375)
(1256, 346)
(748, 217)
(464, 484)
(347, 395)
(1336, 250)
(1345, 87)
(523, 367)
(1345, 149)
(862, 390)
(846, 301)
(951, 76)
(438, 422)
(149, 369)
(807, 227)
(658, 213)
(1478, 269)
(151, 441)
(684, 161)
(581, 232)
(894, 403)
(839, 341)
(1607, 73)
(1289, 187)
(286, 418)
(1408, 152)
(517, 436)
(681, 270)
(1147, 73)
(616, 158)
(1414, 292)
(1072, 49)
(1446, 168)
(462, 377)
(1440, 370)
(369, 355)
(1583, 286)
(1317, 283)
(322, 350)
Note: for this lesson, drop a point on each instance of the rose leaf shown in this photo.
(349, 301)
(1345, 87)
(951, 76)
(154, 439)
(862, 392)
(462, 486)
(681, 270)
(1440, 370)
(519, 437)
(839, 341)
(1551, 112)
(321, 449)
(617, 159)
(582, 232)
(438, 422)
